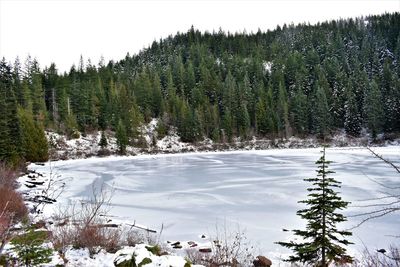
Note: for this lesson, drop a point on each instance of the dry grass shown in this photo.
(390, 258)
(84, 225)
(229, 248)
(8, 176)
(12, 205)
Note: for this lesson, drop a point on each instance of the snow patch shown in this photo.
(172, 143)
(267, 66)
(149, 131)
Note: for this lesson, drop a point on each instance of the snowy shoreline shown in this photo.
(62, 148)
(184, 192)
(70, 159)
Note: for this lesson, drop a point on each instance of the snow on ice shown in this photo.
(257, 190)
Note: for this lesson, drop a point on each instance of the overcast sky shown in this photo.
(60, 31)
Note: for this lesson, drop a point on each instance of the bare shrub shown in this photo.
(12, 206)
(5, 225)
(7, 176)
(62, 237)
(228, 248)
(133, 237)
(11, 202)
(197, 257)
(379, 258)
(84, 225)
(95, 237)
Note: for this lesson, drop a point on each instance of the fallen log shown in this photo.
(142, 228)
(35, 182)
(106, 225)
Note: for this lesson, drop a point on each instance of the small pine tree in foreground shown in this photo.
(31, 249)
(322, 242)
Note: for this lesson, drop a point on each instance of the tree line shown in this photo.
(294, 80)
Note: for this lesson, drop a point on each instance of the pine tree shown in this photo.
(323, 242)
(103, 140)
(271, 113)
(17, 79)
(352, 122)
(4, 131)
(261, 118)
(122, 138)
(283, 113)
(156, 98)
(38, 96)
(50, 81)
(374, 109)
(321, 116)
(34, 142)
(227, 125)
(243, 121)
(298, 112)
(189, 129)
(190, 80)
(338, 98)
(143, 96)
(10, 129)
(390, 87)
(31, 249)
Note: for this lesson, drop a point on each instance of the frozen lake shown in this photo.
(257, 190)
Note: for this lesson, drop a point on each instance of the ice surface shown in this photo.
(258, 190)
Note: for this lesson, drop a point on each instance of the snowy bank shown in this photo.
(187, 194)
(62, 148)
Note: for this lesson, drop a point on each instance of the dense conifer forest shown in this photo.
(294, 80)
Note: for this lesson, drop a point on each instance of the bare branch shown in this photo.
(384, 160)
(4, 209)
(383, 213)
(379, 183)
(375, 212)
(384, 208)
(51, 192)
(376, 198)
(377, 205)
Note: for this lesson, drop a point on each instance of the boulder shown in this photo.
(205, 250)
(125, 261)
(190, 243)
(262, 261)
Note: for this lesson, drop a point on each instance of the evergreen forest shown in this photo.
(294, 80)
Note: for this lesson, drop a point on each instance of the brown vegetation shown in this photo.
(229, 248)
(12, 205)
(84, 226)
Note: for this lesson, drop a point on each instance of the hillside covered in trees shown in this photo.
(294, 80)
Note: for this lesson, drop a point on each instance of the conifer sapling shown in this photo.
(103, 140)
(322, 243)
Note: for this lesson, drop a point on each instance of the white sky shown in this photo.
(60, 31)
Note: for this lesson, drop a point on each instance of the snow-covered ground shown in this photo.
(256, 190)
(81, 257)
(86, 146)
